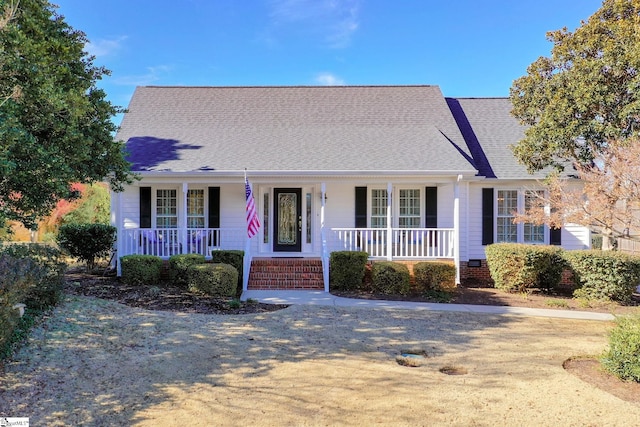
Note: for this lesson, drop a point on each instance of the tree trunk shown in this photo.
(608, 241)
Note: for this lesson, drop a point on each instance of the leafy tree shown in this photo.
(57, 129)
(92, 208)
(585, 94)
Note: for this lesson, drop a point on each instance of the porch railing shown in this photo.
(165, 242)
(406, 243)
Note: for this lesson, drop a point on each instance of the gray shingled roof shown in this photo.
(346, 128)
(490, 130)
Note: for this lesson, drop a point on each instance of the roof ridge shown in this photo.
(285, 86)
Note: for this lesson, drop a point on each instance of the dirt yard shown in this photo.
(97, 362)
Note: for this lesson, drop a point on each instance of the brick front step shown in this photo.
(286, 273)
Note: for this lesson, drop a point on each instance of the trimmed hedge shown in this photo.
(604, 275)
(178, 266)
(347, 269)
(234, 258)
(390, 278)
(216, 280)
(518, 267)
(87, 241)
(623, 357)
(439, 276)
(141, 269)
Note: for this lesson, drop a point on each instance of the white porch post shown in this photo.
(183, 225)
(119, 222)
(456, 227)
(389, 230)
(323, 238)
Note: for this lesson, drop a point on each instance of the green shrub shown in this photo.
(178, 265)
(518, 267)
(234, 258)
(623, 357)
(604, 275)
(439, 276)
(217, 280)
(347, 269)
(390, 278)
(87, 241)
(141, 269)
(47, 287)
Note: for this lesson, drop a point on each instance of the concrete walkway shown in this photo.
(327, 299)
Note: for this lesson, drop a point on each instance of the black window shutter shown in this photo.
(214, 207)
(487, 216)
(361, 207)
(431, 207)
(213, 220)
(145, 207)
(555, 236)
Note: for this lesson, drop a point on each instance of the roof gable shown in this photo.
(490, 130)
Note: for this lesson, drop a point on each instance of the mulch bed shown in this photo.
(161, 297)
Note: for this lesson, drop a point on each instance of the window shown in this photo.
(166, 209)
(378, 208)
(195, 209)
(533, 233)
(508, 203)
(409, 209)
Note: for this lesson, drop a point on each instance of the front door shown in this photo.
(287, 219)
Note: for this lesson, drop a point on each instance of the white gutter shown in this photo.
(267, 173)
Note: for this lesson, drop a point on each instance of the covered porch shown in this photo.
(296, 222)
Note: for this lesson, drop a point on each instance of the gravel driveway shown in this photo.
(95, 362)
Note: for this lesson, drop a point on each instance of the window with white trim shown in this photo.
(195, 208)
(166, 209)
(378, 208)
(532, 233)
(409, 208)
(507, 231)
(508, 203)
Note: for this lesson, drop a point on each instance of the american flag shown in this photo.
(253, 223)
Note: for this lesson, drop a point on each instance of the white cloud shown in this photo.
(328, 79)
(104, 47)
(153, 75)
(334, 21)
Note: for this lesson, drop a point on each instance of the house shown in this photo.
(400, 172)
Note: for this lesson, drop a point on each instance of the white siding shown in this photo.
(573, 236)
(130, 208)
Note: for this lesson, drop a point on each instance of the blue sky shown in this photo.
(472, 48)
